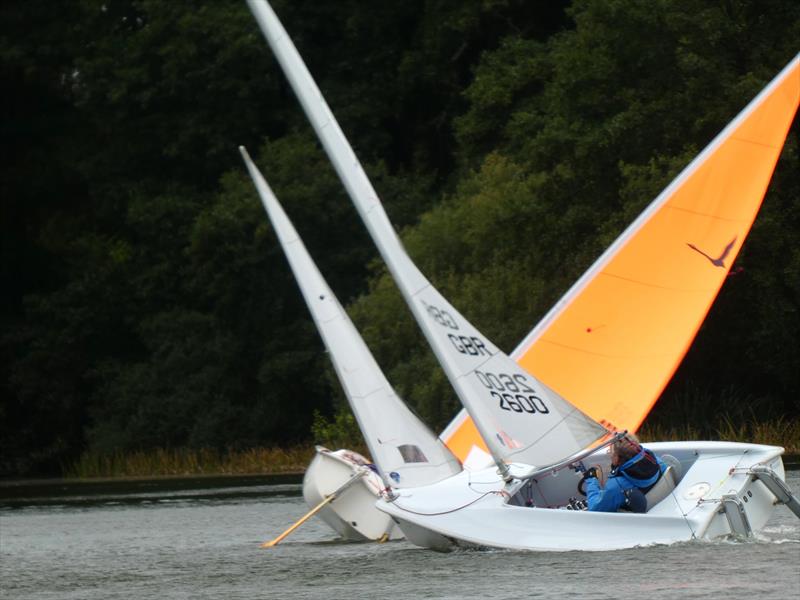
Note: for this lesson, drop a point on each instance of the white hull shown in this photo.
(478, 510)
(352, 514)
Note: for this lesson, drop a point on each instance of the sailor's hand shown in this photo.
(588, 474)
(600, 474)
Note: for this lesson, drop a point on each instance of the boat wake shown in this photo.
(777, 535)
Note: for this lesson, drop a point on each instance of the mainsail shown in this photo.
(630, 319)
(406, 452)
(519, 417)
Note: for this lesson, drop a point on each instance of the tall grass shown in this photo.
(692, 412)
(777, 432)
(183, 461)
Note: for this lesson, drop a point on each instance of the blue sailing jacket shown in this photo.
(627, 484)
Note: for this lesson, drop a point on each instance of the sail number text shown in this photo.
(512, 392)
(465, 344)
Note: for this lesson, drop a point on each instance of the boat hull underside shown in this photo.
(352, 514)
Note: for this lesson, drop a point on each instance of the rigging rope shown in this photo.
(452, 510)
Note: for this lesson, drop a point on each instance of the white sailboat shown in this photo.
(532, 433)
(714, 488)
(405, 451)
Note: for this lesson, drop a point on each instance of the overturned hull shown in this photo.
(352, 514)
(715, 494)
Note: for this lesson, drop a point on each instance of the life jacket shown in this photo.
(642, 470)
(627, 484)
(635, 501)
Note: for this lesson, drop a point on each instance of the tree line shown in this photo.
(147, 302)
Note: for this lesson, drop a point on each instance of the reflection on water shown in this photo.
(133, 491)
(202, 541)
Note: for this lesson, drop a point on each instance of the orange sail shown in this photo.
(613, 342)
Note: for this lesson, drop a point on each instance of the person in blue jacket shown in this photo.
(634, 470)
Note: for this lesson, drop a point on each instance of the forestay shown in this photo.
(519, 417)
(406, 452)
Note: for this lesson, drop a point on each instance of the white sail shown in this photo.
(519, 417)
(406, 452)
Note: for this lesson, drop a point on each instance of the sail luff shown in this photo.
(382, 417)
(552, 425)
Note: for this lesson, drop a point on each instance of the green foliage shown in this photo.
(469, 247)
(341, 431)
(571, 139)
(147, 304)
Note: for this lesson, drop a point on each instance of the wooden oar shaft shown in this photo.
(302, 520)
(329, 498)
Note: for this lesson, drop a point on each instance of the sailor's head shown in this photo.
(624, 449)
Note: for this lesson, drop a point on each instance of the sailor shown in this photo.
(634, 470)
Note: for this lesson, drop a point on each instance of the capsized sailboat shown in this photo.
(711, 489)
(405, 451)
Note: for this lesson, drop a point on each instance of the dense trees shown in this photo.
(146, 301)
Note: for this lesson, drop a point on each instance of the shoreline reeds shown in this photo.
(777, 432)
(187, 461)
(270, 461)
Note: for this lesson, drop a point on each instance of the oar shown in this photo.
(328, 499)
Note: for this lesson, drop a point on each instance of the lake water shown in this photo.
(156, 541)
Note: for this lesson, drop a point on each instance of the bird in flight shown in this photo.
(720, 260)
